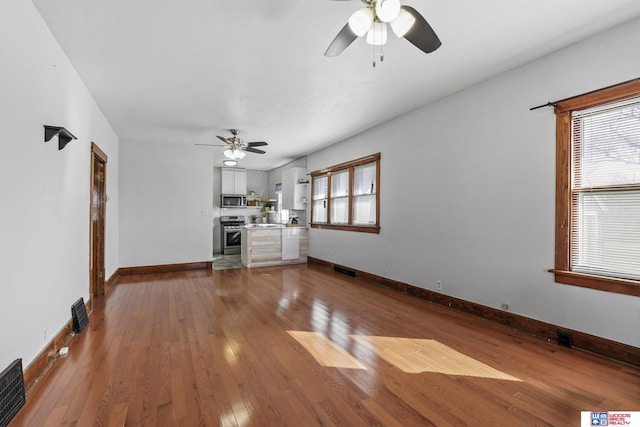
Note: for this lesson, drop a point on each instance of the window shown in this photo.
(598, 190)
(346, 196)
(284, 213)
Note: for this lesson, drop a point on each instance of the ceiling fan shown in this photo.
(236, 147)
(372, 21)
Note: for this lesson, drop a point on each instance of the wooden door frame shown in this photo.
(97, 287)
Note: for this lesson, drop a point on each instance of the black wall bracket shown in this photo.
(64, 136)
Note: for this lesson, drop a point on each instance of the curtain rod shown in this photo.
(554, 104)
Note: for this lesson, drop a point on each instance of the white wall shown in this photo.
(164, 190)
(468, 190)
(44, 207)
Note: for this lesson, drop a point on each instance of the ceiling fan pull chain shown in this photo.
(374, 55)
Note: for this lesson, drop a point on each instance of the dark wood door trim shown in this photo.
(98, 201)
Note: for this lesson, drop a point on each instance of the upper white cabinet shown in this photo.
(295, 186)
(234, 181)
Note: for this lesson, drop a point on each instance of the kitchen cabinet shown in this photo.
(295, 189)
(290, 243)
(234, 181)
(274, 245)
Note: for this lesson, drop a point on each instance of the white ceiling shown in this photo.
(185, 71)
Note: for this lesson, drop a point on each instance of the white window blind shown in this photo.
(606, 190)
(364, 191)
(340, 197)
(320, 195)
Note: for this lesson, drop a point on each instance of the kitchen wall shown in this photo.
(275, 175)
(258, 182)
(44, 213)
(469, 196)
(166, 212)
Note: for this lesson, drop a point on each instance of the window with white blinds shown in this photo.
(605, 190)
(346, 196)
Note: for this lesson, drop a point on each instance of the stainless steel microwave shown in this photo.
(233, 201)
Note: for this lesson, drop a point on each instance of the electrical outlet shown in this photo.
(504, 306)
(439, 285)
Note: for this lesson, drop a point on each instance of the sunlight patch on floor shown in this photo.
(326, 352)
(411, 355)
(415, 356)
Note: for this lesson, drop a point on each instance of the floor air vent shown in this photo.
(565, 338)
(79, 316)
(12, 396)
(344, 270)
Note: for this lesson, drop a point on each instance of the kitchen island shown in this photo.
(274, 244)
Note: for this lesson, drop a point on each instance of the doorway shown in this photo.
(97, 215)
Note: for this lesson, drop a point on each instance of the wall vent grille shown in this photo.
(344, 270)
(12, 396)
(564, 338)
(79, 316)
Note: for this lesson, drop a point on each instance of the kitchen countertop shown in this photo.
(272, 226)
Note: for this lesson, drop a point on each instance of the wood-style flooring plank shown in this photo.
(304, 346)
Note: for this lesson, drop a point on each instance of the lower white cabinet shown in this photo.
(290, 243)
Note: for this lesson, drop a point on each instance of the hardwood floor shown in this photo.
(304, 346)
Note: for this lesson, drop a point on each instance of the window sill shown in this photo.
(358, 228)
(602, 283)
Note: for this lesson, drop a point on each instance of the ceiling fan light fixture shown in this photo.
(403, 23)
(387, 10)
(234, 153)
(377, 35)
(360, 22)
(230, 162)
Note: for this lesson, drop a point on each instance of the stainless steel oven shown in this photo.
(231, 234)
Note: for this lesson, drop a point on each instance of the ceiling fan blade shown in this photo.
(210, 145)
(222, 139)
(256, 144)
(421, 34)
(344, 38)
(254, 150)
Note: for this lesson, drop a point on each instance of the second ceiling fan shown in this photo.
(372, 21)
(236, 147)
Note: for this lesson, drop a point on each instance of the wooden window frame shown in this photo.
(563, 225)
(341, 167)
